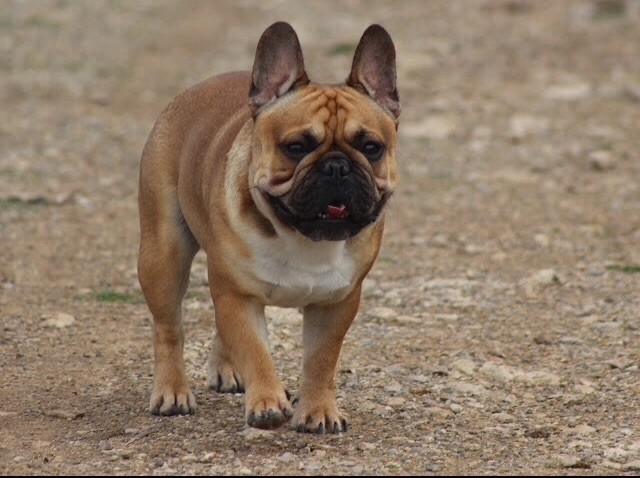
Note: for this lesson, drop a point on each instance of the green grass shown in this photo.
(626, 269)
(15, 202)
(111, 296)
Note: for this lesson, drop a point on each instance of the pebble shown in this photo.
(286, 457)
(251, 434)
(523, 126)
(383, 313)
(601, 160)
(465, 366)
(438, 412)
(568, 92)
(65, 414)
(617, 454)
(545, 277)
(59, 320)
(408, 320)
(571, 461)
(632, 466)
(396, 402)
(584, 430)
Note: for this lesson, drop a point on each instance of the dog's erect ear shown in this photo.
(374, 68)
(278, 66)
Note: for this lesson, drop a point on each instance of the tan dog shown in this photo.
(283, 184)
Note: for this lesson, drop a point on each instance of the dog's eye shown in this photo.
(295, 151)
(372, 150)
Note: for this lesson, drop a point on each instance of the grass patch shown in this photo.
(626, 269)
(16, 202)
(111, 296)
(343, 49)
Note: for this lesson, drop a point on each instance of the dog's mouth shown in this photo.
(335, 222)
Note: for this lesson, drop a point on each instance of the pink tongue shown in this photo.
(337, 211)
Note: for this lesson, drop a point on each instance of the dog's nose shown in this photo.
(336, 167)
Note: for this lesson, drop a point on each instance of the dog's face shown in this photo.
(323, 157)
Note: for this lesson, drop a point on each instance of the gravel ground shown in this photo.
(499, 330)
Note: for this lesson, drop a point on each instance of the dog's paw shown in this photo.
(222, 378)
(319, 418)
(268, 412)
(172, 400)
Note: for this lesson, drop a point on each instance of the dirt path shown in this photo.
(500, 328)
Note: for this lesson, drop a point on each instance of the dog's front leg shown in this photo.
(243, 335)
(323, 332)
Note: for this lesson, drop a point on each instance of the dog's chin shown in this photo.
(323, 228)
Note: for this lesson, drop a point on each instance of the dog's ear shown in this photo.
(373, 71)
(278, 66)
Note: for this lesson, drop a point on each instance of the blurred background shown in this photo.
(499, 329)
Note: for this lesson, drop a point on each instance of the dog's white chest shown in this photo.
(298, 272)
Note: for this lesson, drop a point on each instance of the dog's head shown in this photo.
(323, 156)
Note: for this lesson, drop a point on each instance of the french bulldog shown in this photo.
(283, 183)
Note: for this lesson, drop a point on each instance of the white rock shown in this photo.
(601, 160)
(584, 430)
(465, 366)
(539, 378)
(396, 402)
(523, 126)
(60, 320)
(408, 320)
(632, 465)
(545, 277)
(384, 313)
(568, 92)
(617, 454)
(286, 457)
(502, 373)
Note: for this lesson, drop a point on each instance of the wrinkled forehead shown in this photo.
(335, 110)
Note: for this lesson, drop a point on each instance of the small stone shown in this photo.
(617, 454)
(523, 126)
(465, 366)
(367, 446)
(542, 240)
(311, 467)
(65, 414)
(503, 417)
(286, 457)
(384, 313)
(632, 466)
(455, 408)
(601, 160)
(245, 471)
(438, 412)
(408, 320)
(502, 373)
(572, 461)
(568, 92)
(584, 430)
(545, 277)
(540, 378)
(251, 434)
(396, 402)
(59, 320)
(568, 340)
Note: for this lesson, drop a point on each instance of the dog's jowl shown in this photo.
(283, 183)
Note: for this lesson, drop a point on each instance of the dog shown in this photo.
(283, 183)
